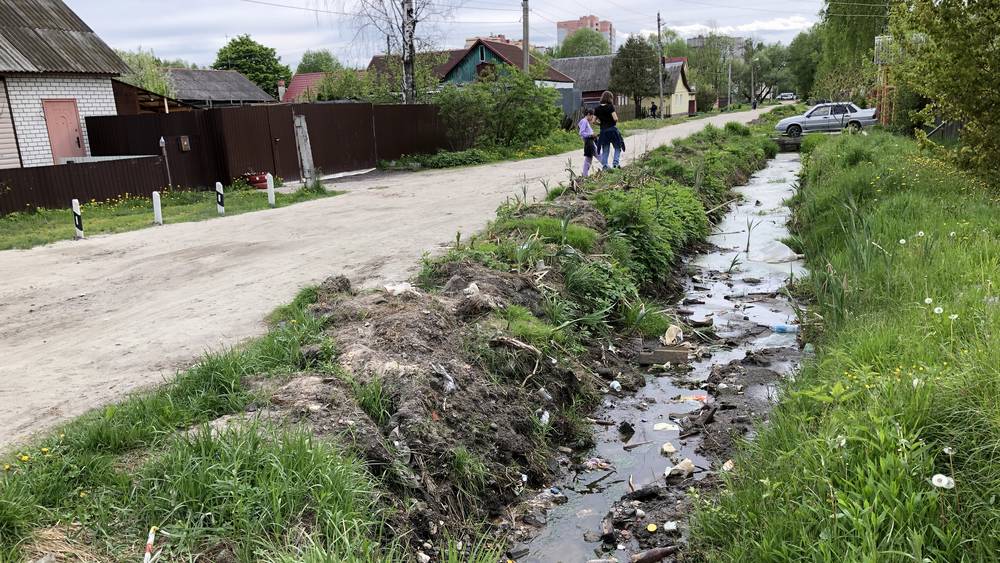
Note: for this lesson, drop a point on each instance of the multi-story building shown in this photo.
(565, 28)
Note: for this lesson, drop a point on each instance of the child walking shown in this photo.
(589, 140)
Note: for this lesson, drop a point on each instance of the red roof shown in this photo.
(300, 84)
(675, 60)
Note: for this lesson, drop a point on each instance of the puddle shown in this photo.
(739, 373)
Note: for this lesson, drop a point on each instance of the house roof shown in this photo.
(300, 84)
(510, 54)
(590, 74)
(214, 85)
(448, 59)
(674, 71)
(46, 36)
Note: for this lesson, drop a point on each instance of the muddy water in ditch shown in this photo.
(741, 292)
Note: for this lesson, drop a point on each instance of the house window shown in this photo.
(482, 53)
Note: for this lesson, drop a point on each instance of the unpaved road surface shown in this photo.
(83, 323)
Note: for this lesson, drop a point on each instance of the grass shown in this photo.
(550, 229)
(905, 253)
(132, 212)
(248, 489)
(558, 142)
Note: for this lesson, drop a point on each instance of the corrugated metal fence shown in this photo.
(23, 189)
(225, 143)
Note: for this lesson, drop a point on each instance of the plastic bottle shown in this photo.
(785, 329)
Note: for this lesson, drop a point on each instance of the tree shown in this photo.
(260, 64)
(318, 61)
(633, 70)
(145, 71)
(584, 42)
(946, 49)
(803, 60)
(847, 33)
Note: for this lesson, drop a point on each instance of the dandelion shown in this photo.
(938, 310)
(943, 481)
(6, 467)
(841, 441)
(45, 450)
(920, 233)
(949, 450)
(928, 301)
(902, 241)
(916, 382)
(25, 458)
(952, 234)
(952, 317)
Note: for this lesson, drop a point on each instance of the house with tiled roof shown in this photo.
(54, 72)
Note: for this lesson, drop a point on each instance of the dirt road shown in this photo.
(84, 323)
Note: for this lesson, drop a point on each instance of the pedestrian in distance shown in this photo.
(652, 110)
(610, 135)
(589, 140)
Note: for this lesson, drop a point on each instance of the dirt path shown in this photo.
(84, 323)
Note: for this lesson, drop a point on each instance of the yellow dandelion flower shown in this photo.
(25, 458)
(45, 450)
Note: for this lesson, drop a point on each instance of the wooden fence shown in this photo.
(24, 189)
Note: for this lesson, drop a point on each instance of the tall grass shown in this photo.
(905, 255)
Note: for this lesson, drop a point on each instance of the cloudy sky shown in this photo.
(195, 29)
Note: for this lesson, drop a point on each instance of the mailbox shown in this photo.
(185, 143)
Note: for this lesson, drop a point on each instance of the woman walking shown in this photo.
(610, 136)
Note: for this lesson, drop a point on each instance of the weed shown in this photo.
(377, 401)
(468, 472)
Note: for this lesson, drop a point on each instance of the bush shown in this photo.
(502, 108)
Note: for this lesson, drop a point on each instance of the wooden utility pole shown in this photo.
(526, 44)
(409, 53)
(659, 58)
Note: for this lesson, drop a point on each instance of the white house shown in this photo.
(54, 72)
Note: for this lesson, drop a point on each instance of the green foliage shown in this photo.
(321, 60)
(377, 401)
(633, 70)
(468, 472)
(145, 71)
(556, 142)
(847, 36)
(551, 230)
(525, 326)
(963, 36)
(502, 108)
(804, 54)
(584, 42)
(260, 64)
(902, 248)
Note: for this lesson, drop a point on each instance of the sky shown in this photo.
(195, 29)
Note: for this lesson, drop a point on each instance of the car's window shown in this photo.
(853, 108)
(839, 109)
(820, 112)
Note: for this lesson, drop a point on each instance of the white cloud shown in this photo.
(791, 23)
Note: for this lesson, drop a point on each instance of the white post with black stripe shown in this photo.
(270, 189)
(157, 209)
(77, 219)
(220, 199)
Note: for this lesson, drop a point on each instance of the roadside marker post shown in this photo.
(157, 210)
(77, 219)
(270, 189)
(220, 199)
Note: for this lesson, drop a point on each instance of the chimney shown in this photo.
(281, 90)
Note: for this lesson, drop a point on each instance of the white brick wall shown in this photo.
(93, 96)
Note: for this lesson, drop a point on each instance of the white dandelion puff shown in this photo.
(916, 382)
(952, 234)
(902, 241)
(943, 481)
(928, 301)
(953, 317)
(920, 233)
(949, 450)
(938, 310)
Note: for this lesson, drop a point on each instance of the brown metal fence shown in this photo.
(23, 189)
(208, 146)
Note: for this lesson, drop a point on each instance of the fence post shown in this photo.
(270, 189)
(77, 219)
(220, 199)
(304, 147)
(157, 210)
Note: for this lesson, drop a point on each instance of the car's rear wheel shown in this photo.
(794, 130)
(854, 127)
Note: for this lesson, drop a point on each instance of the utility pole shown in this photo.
(659, 66)
(729, 96)
(526, 45)
(409, 52)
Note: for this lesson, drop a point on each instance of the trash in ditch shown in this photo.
(399, 289)
(785, 329)
(544, 417)
(673, 336)
(651, 528)
(595, 463)
(729, 465)
(544, 395)
(666, 427)
(667, 448)
(694, 398)
(472, 289)
(682, 469)
(626, 428)
(616, 386)
(670, 526)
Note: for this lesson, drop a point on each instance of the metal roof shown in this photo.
(214, 85)
(590, 74)
(46, 36)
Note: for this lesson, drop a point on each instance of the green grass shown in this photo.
(905, 257)
(377, 401)
(132, 212)
(468, 472)
(550, 229)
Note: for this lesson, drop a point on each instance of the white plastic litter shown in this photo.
(684, 468)
(667, 448)
(616, 386)
(673, 336)
(666, 427)
(402, 288)
(473, 289)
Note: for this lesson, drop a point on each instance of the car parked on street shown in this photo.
(786, 96)
(834, 116)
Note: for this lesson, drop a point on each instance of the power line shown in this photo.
(356, 14)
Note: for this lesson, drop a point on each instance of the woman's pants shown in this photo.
(604, 154)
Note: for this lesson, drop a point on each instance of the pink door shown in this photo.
(63, 123)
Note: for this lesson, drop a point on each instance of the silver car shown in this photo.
(828, 117)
